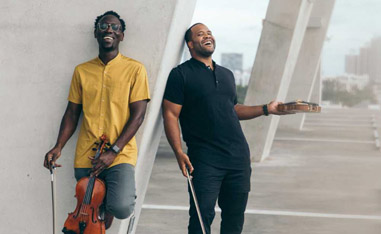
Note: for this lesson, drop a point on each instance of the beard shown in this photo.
(205, 52)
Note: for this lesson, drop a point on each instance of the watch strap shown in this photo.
(265, 110)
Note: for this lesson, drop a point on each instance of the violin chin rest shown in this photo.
(64, 230)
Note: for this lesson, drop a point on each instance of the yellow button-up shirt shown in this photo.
(105, 92)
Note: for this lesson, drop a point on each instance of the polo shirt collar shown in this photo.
(203, 64)
(112, 61)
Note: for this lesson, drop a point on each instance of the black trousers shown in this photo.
(230, 187)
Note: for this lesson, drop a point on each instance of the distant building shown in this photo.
(233, 61)
(363, 64)
(367, 61)
(374, 60)
(242, 77)
(351, 61)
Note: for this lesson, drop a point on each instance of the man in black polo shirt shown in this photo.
(203, 96)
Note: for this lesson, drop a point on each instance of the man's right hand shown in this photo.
(184, 162)
(51, 157)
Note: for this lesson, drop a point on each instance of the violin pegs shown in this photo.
(108, 144)
(96, 143)
(94, 149)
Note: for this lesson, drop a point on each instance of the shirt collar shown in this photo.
(112, 61)
(203, 64)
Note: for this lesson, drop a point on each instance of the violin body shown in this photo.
(299, 106)
(90, 192)
(85, 216)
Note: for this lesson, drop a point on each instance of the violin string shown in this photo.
(85, 202)
(84, 206)
(90, 185)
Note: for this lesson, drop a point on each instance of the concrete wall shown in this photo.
(41, 43)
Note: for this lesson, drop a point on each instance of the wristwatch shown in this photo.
(115, 149)
(265, 110)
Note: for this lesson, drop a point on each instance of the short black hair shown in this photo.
(110, 13)
(188, 33)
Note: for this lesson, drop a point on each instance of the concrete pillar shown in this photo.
(172, 29)
(316, 88)
(314, 96)
(316, 93)
(44, 41)
(308, 65)
(282, 36)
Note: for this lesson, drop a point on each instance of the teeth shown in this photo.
(110, 38)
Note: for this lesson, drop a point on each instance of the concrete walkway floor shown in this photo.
(325, 179)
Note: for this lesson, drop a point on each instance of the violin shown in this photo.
(90, 192)
(299, 106)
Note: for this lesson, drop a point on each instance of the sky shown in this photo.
(237, 28)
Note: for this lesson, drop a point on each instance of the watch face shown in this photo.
(115, 149)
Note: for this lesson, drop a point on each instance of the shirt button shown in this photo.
(103, 100)
(100, 128)
(102, 114)
(104, 86)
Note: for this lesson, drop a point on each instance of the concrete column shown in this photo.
(315, 96)
(44, 41)
(282, 36)
(316, 88)
(308, 64)
(171, 43)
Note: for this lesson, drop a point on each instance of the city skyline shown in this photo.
(237, 28)
(366, 61)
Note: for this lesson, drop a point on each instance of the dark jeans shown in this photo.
(120, 185)
(231, 187)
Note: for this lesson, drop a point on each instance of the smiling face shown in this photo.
(202, 42)
(108, 39)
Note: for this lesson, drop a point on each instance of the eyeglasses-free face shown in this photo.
(114, 27)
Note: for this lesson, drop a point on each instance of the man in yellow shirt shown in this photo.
(112, 91)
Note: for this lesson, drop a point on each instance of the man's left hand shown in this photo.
(272, 107)
(103, 162)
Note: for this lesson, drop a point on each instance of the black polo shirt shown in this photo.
(209, 123)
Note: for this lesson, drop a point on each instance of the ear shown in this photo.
(190, 44)
(122, 36)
